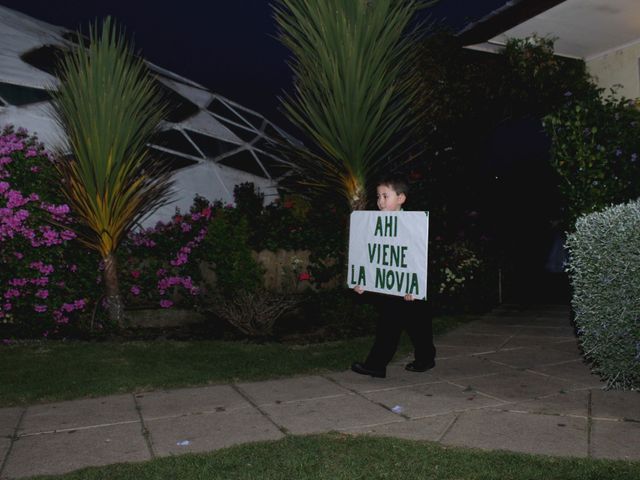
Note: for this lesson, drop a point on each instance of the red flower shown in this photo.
(304, 276)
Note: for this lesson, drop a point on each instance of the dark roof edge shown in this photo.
(511, 14)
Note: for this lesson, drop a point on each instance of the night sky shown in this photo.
(228, 46)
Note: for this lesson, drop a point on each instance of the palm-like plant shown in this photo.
(352, 64)
(108, 105)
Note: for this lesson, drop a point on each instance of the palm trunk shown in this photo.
(358, 195)
(115, 305)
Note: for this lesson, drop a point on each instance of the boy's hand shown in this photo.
(358, 289)
(409, 298)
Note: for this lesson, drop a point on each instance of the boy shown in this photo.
(397, 313)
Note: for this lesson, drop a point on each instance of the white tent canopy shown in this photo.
(211, 142)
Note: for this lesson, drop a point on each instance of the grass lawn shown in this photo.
(337, 456)
(53, 370)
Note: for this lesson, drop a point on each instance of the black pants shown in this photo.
(395, 315)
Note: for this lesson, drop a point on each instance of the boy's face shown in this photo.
(389, 200)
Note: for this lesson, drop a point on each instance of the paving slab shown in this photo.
(326, 414)
(189, 400)
(482, 328)
(547, 331)
(576, 371)
(461, 339)
(615, 440)
(550, 322)
(557, 343)
(463, 367)
(397, 376)
(527, 357)
(432, 399)
(79, 413)
(291, 389)
(429, 428)
(448, 351)
(560, 314)
(515, 385)
(519, 432)
(574, 403)
(9, 418)
(507, 320)
(615, 404)
(509, 315)
(5, 443)
(551, 309)
(565, 345)
(63, 452)
(209, 431)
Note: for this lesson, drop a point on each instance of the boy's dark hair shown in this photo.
(395, 182)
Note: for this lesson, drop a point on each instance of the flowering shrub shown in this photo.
(595, 148)
(165, 265)
(161, 264)
(43, 281)
(604, 268)
(458, 270)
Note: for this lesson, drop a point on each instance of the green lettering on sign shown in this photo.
(413, 289)
(362, 278)
(378, 230)
(379, 278)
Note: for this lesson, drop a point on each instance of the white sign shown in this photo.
(388, 252)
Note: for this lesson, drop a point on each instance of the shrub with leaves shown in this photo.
(595, 148)
(46, 278)
(605, 268)
(161, 265)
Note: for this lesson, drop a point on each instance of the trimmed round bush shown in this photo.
(605, 272)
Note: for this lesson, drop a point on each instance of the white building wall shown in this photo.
(618, 67)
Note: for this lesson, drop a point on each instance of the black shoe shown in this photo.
(420, 367)
(362, 370)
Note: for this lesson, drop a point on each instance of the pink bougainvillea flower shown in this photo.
(68, 307)
(166, 303)
(40, 308)
(135, 273)
(42, 293)
(135, 290)
(67, 235)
